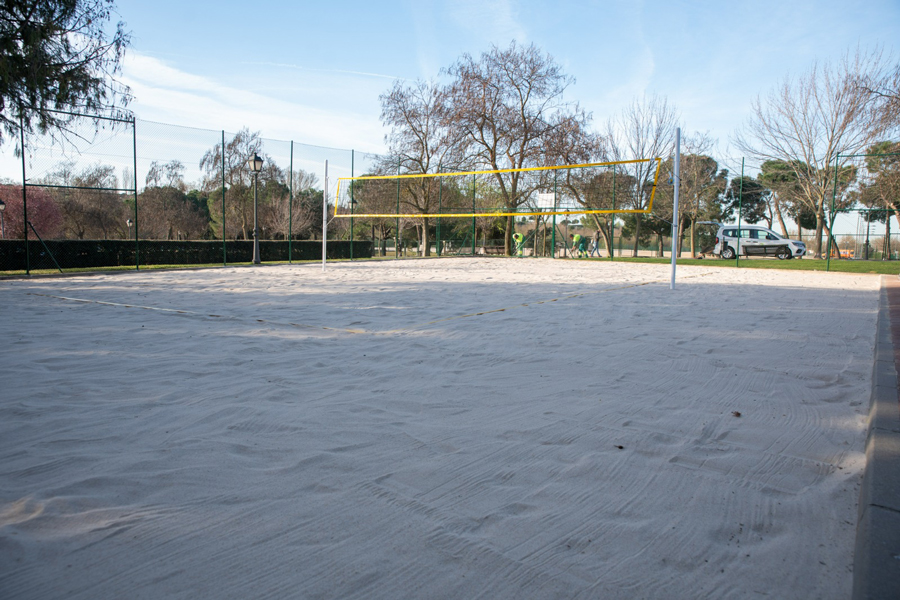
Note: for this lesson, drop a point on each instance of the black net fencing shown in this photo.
(121, 193)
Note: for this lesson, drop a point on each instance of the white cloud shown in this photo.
(169, 95)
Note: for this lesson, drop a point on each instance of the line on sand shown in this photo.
(357, 331)
(195, 314)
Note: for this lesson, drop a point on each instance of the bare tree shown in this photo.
(170, 174)
(165, 212)
(419, 142)
(813, 123)
(291, 215)
(238, 182)
(593, 188)
(505, 107)
(90, 209)
(307, 210)
(884, 88)
(379, 196)
(702, 182)
(644, 129)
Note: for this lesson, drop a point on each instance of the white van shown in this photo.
(755, 240)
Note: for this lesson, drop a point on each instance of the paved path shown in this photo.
(876, 572)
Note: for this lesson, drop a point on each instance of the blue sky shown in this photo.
(313, 71)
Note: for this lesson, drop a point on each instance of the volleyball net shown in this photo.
(606, 187)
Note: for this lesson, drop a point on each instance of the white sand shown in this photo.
(580, 448)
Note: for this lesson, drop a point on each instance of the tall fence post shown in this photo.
(224, 247)
(737, 251)
(137, 248)
(291, 206)
(475, 229)
(440, 210)
(24, 193)
(553, 234)
(612, 218)
(352, 159)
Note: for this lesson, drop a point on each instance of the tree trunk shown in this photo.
(820, 225)
(637, 235)
(426, 245)
(780, 218)
(607, 237)
(896, 211)
(605, 232)
(693, 236)
(831, 243)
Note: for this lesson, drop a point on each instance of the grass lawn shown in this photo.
(111, 269)
(887, 267)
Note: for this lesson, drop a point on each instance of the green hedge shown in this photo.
(80, 254)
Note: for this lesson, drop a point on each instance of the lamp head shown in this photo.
(255, 163)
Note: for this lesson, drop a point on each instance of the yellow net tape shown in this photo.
(579, 210)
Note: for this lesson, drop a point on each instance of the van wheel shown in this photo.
(728, 253)
(783, 253)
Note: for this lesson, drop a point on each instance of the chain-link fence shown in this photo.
(126, 194)
(865, 202)
(846, 207)
(130, 193)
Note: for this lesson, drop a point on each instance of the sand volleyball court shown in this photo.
(462, 428)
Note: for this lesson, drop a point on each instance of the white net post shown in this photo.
(675, 220)
(325, 217)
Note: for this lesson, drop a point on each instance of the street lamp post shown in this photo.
(2, 223)
(129, 222)
(256, 166)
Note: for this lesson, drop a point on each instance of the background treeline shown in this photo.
(509, 109)
(88, 203)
